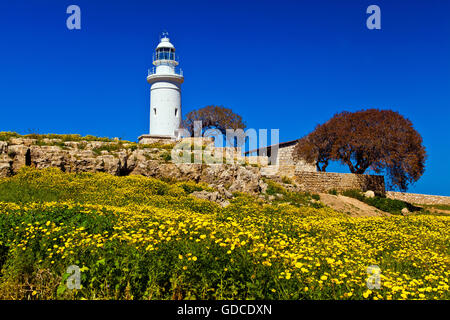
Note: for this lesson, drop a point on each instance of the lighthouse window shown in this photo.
(176, 111)
(165, 54)
(154, 110)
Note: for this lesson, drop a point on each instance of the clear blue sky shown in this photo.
(280, 64)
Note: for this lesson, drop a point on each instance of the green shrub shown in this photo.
(385, 204)
(353, 194)
(166, 156)
(333, 192)
(157, 145)
(82, 145)
(274, 188)
(438, 206)
(298, 199)
(286, 180)
(315, 197)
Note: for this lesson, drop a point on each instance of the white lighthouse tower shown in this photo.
(165, 93)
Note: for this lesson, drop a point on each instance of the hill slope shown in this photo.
(142, 238)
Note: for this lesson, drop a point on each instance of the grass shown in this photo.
(7, 136)
(157, 145)
(437, 206)
(385, 204)
(114, 147)
(298, 199)
(142, 238)
(110, 145)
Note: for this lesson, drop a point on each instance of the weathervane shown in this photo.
(165, 34)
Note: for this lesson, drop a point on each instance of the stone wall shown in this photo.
(228, 152)
(287, 170)
(284, 158)
(326, 181)
(418, 198)
(261, 160)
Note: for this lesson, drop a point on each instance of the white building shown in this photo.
(165, 94)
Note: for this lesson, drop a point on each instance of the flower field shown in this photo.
(141, 238)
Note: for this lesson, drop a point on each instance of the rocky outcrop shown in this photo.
(123, 159)
(221, 196)
(234, 176)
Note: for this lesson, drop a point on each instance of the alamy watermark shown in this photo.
(212, 146)
(374, 279)
(74, 280)
(73, 22)
(374, 20)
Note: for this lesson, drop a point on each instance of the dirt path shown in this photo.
(353, 207)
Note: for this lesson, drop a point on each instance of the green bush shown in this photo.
(274, 188)
(438, 206)
(166, 156)
(157, 145)
(298, 199)
(190, 186)
(333, 192)
(385, 204)
(286, 180)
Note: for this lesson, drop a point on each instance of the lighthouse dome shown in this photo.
(165, 43)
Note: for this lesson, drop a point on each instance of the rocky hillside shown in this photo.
(73, 153)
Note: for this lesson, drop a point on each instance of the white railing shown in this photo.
(176, 58)
(178, 72)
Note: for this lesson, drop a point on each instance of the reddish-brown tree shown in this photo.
(317, 146)
(379, 140)
(214, 117)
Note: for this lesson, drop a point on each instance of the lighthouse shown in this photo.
(165, 81)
